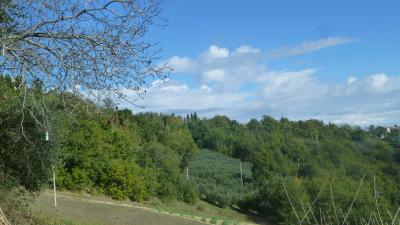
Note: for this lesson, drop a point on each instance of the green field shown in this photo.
(80, 209)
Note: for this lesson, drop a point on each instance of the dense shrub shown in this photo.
(189, 193)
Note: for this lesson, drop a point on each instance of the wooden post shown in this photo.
(54, 188)
(241, 173)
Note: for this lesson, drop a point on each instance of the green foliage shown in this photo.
(189, 192)
(122, 180)
(304, 155)
(127, 156)
(25, 155)
(6, 21)
(217, 177)
(119, 154)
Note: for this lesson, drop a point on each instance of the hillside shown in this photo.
(144, 156)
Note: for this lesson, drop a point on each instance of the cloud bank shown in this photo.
(238, 83)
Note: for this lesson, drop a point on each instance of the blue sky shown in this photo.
(337, 61)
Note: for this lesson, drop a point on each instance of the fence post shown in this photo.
(54, 188)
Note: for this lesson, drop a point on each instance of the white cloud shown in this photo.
(292, 86)
(176, 88)
(158, 82)
(309, 46)
(205, 88)
(240, 85)
(215, 52)
(379, 82)
(180, 99)
(214, 75)
(373, 84)
(351, 80)
(179, 64)
(246, 49)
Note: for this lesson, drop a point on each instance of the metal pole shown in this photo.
(54, 188)
(187, 173)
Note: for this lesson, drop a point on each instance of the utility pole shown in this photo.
(241, 173)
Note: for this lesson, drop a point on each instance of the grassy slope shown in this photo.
(82, 209)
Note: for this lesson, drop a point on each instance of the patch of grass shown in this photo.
(202, 209)
(74, 211)
(225, 222)
(46, 220)
(214, 220)
(82, 208)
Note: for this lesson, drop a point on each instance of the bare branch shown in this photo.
(95, 49)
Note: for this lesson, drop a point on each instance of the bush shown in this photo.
(189, 193)
(14, 201)
(167, 191)
(124, 180)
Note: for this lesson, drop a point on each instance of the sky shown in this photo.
(336, 61)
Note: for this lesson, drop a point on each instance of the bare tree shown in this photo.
(93, 48)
